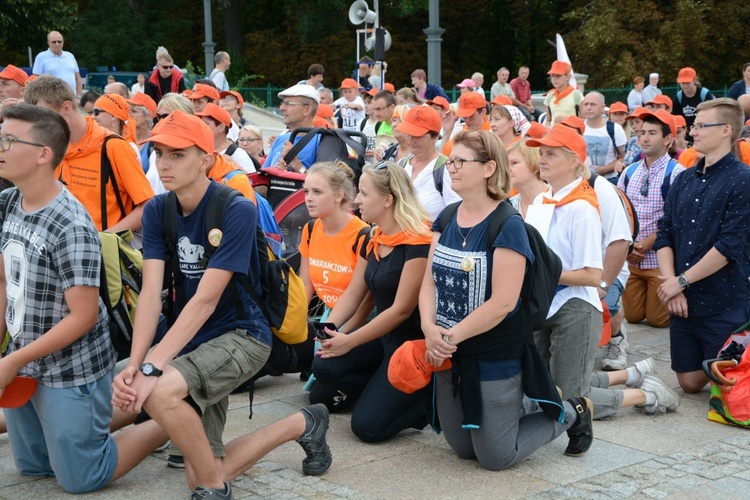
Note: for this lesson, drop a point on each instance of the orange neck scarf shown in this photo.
(393, 240)
(583, 191)
(561, 95)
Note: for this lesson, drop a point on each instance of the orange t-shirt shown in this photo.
(448, 146)
(331, 261)
(80, 170)
(223, 166)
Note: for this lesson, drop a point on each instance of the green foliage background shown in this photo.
(273, 41)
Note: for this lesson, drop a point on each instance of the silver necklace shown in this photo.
(463, 245)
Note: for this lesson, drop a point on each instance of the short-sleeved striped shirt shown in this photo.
(45, 253)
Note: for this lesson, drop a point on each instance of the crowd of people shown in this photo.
(420, 258)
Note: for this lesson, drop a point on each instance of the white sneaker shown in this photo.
(616, 354)
(641, 369)
(666, 398)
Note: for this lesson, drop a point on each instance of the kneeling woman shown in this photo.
(471, 312)
(391, 270)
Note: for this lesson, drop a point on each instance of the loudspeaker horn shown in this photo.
(370, 41)
(360, 13)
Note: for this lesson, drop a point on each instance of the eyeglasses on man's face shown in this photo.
(7, 141)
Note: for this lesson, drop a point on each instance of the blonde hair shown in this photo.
(729, 111)
(339, 175)
(530, 156)
(487, 145)
(583, 170)
(51, 90)
(176, 102)
(258, 133)
(407, 210)
(401, 110)
(409, 94)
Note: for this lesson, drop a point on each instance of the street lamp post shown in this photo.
(208, 45)
(434, 41)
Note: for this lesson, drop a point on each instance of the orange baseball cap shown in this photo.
(559, 68)
(203, 90)
(389, 87)
(575, 123)
(618, 107)
(349, 83)
(661, 99)
(319, 121)
(663, 116)
(408, 371)
(420, 120)
(562, 136)
(234, 94)
(686, 75)
(324, 112)
(18, 392)
(145, 100)
(502, 100)
(679, 121)
(181, 130)
(115, 105)
(536, 130)
(373, 91)
(469, 103)
(217, 113)
(440, 101)
(636, 112)
(14, 73)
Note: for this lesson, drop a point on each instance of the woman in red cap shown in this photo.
(470, 305)
(563, 100)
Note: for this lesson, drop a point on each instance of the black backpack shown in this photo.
(542, 277)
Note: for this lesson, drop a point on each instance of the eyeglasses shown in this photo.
(292, 103)
(381, 109)
(167, 67)
(97, 111)
(701, 126)
(7, 141)
(458, 163)
(161, 116)
(644, 186)
(247, 139)
(55, 41)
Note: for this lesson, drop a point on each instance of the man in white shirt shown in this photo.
(221, 64)
(605, 143)
(58, 62)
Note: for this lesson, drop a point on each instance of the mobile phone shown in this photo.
(320, 333)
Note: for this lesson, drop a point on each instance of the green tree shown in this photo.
(25, 23)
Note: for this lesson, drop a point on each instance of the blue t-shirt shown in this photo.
(306, 156)
(462, 288)
(237, 253)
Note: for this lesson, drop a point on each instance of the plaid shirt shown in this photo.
(44, 254)
(649, 208)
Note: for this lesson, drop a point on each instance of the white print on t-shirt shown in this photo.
(14, 256)
(190, 257)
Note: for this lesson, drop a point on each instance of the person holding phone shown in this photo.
(390, 270)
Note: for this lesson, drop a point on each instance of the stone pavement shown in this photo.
(678, 455)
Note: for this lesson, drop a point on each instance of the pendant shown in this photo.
(467, 264)
(463, 245)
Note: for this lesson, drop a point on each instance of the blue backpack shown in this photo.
(665, 183)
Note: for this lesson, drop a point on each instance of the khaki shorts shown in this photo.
(213, 371)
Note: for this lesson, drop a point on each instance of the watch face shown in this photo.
(147, 369)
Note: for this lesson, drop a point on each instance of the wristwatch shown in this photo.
(682, 281)
(604, 286)
(150, 370)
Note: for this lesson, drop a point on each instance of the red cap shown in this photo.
(559, 68)
(575, 123)
(661, 99)
(679, 121)
(234, 94)
(349, 83)
(618, 107)
(561, 136)
(663, 116)
(469, 103)
(145, 100)
(686, 75)
(181, 130)
(389, 87)
(217, 113)
(408, 371)
(420, 120)
(440, 101)
(18, 392)
(636, 112)
(14, 73)
(502, 100)
(536, 130)
(203, 90)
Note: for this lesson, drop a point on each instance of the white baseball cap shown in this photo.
(301, 90)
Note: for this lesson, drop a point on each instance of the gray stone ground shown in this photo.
(678, 455)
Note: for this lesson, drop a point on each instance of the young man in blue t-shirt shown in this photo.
(184, 383)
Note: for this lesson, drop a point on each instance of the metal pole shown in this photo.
(434, 41)
(208, 45)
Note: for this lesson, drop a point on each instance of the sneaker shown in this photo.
(313, 440)
(615, 354)
(176, 461)
(200, 493)
(641, 369)
(581, 434)
(666, 398)
(163, 447)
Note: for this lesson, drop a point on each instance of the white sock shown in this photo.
(650, 398)
(632, 375)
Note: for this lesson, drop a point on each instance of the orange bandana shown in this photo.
(582, 191)
(394, 240)
(560, 95)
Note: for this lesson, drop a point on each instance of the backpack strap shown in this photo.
(377, 127)
(611, 133)
(437, 172)
(108, 175)
(629, 173)
(448, 214)
(499, 217)
(679, 97)
(704, 93)
(300, 145)
(310, 225)
(231, 149)
(218, 203)
(667, 182)
(7, 198)
(364, 234)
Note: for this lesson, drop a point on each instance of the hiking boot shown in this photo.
(176, 461)
(200, 493)
(581, 434)
(313, 440)
(640, 370)
(615, 354)
(666, 398)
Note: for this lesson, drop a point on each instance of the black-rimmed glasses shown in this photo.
(701, 126)
(7, 141)
(458, 163)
